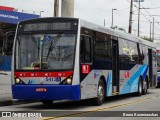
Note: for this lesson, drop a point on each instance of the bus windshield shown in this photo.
(45, 51)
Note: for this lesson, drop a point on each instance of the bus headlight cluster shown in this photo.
(17, 81)
(67, 81)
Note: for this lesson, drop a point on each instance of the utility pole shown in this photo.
(150, 31)
(130, 18)
(67, 8)
(139, 1)
(56, 8)
(138, 16)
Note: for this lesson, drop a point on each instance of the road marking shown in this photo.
(100, 109)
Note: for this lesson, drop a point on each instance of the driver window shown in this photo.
(85, 47)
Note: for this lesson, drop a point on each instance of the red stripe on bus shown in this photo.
(43, 74)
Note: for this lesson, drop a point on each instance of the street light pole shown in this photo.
(112, 17)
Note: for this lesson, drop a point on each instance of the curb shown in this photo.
(15, 102)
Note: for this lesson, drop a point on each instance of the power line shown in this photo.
(147, 13)
(155, 8)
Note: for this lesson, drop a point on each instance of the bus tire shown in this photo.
(140, 87)
(47, 102)
(145, 90)
(100, 94)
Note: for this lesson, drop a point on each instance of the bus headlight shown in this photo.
(17, 80)
(69, 80)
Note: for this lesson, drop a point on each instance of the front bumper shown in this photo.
(54, 92)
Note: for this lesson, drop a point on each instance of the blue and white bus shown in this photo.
(72, 59)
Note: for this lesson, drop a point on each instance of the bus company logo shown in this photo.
(96, 75)
(48, 38)
(56, 79)
(129, 50)
(31, 82)
(86, 69)
(127, 74)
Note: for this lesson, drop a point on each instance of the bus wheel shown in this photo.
(145, 90)
(47, 102)
(140, 89)
(100, 94)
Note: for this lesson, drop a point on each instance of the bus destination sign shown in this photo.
(49, 26)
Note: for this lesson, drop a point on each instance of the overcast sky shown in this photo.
(97, 10)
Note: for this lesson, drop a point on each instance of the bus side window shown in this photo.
(85, 49)
(82, 49)
(87, 52)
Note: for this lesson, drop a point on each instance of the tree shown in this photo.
(119, 28)
(146, 38)
(122, 29)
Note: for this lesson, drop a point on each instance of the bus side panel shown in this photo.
(89, 85)
(109, 84)
(131, 85)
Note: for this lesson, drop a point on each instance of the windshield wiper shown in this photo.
(50, 49)
(37, 44)
(53, 43)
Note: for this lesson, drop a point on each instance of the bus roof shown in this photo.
(89, 25)
(116, 33)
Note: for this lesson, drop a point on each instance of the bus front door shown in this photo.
(115, 67)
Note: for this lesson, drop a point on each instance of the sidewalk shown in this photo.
(5, 89)
(6, 93)
(6, 99)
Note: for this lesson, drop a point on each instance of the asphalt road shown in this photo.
(115, 107)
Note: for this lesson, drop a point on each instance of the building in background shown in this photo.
(9, 17)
